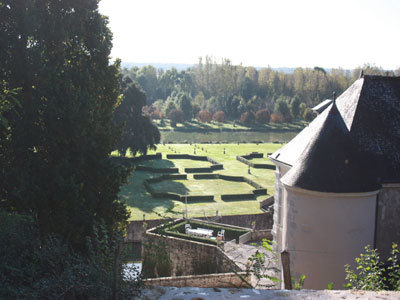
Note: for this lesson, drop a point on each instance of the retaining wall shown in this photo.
(135, 229)
(186, 257)
(222, 280)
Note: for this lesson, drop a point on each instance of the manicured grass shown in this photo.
(202, 186)
(140, 202)
(195, 125)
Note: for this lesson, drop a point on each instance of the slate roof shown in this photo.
(330, 161)
(370, 111)
(322, 106)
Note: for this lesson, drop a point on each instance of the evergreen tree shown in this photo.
(138, 133)
(58, 167)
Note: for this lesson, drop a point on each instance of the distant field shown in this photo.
(140, 202)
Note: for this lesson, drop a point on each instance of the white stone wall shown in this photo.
(324, 231)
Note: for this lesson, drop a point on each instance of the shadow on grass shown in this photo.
(157, 163)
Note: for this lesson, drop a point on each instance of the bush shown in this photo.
(247, 117)
(262, 116)
(276, 118)
(46, 268)
(204, 116)
(372, 274)
(176, 116)
(308, 114)
(156, 114)
(219, 116)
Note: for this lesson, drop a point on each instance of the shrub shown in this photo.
(308, 114)
(373, 274)
(156, 114)
(262, 116)
(247, 117)
(204, 116)
(219, 116)
(176, 116)
(276, 118)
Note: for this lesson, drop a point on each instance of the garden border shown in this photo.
(258, 189)
(246, 160)
(214, 164)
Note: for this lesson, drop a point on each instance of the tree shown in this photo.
(176, 116)
(308, 114)
(282, 107)
(58, 167)
(184, 103)
(219, 116)
(138, 134)
(247, 117)
(262, 116)
(295, 106)
(204, 116)
(169, 106)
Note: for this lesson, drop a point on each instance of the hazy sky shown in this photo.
(278, 33)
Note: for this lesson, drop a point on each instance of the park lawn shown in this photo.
(141, 203)
(202, 187)
(195, 125)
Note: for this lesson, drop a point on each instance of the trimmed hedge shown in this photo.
(215, 165)
(156, 170)
(206, 176)
(198, 170)
(236, 196)
(258, 189)
(246, 160)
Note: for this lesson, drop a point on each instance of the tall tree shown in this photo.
(138, 133)
(57, 52)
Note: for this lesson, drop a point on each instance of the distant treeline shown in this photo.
(214, 87)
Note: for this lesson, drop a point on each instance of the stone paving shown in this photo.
(239, 253)
(190, 293)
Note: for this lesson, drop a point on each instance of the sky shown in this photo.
(259, 33)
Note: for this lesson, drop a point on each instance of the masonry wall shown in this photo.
(225, 280)
(261, 221)
(186, 257)
(388, 219)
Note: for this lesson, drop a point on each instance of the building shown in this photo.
(338, 183)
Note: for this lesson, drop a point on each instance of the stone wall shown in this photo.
(186, 257)
(261, 221)
(387, 223)
(225, 280)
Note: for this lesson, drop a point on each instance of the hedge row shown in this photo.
(205, 169)
(246, 160)
(236, 196)
(258, 189)
(156, 170)
(215, 164)
(187, 156)
(132, 160)
(147, 184)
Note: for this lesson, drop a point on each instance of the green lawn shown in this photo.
(195, 125)
(140, 202)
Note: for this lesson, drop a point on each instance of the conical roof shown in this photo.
(370, 109)
(330, 162)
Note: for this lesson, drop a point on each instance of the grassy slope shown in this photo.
(142, 203)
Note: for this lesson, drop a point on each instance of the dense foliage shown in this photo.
(138, 133)
(57, 102)
(373, 274)
(235, 89)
